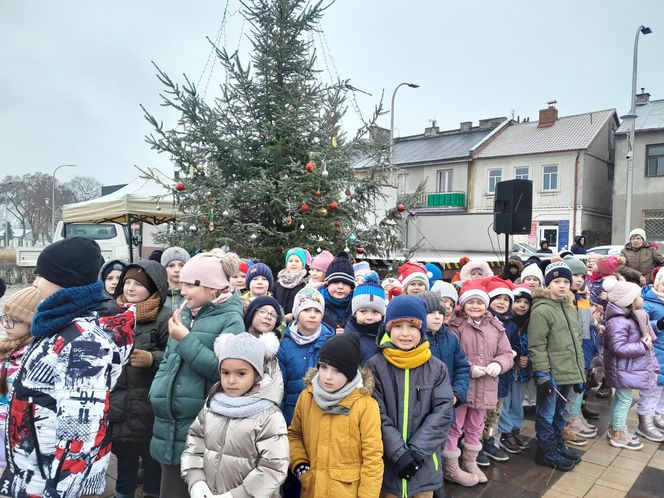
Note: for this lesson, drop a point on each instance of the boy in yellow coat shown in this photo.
(335, 436)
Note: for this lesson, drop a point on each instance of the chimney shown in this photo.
(466, 126)
(431, 130)
(549, 116)
(490, 123)
(643, 97)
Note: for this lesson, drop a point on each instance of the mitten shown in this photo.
(493, 369)
(407, 466)
(544, 382)
(477, 371)
(200, 489)
(301, 469)
(579, 388)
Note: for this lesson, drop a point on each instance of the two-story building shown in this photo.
(570, 160)
(648, 173)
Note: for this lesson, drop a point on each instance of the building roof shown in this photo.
(442, 147)
(568, 133)
(649, 116)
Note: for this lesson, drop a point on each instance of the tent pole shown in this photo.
(131, 250)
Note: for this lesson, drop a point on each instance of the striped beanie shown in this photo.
(370, 294)
(340, 270)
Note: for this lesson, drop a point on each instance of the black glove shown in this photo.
(301, 469)
(407, 466)
(660, 324)
(579, 388)
(544, 383)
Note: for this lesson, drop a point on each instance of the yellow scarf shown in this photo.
(408, 359)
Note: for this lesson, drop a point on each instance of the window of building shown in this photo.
(550, 177)
(655, 160)
(445, 180)
(402, 182)
(495, 176)
(521, 173)
(653, 223)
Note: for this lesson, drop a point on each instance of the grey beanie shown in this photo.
(242, 346)
(174, 254)
(432, 302)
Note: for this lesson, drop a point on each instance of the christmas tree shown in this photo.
(268, 166)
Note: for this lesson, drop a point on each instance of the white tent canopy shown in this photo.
(144, 199)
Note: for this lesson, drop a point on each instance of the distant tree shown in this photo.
(84, 188)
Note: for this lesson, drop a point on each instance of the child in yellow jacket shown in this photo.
(335, 436)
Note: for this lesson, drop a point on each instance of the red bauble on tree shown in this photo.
(401, 208)
(334, 205)
(360, 250)
(310, 166)
(179, 186)
(318, 193)
(348, 192)
(304, 207)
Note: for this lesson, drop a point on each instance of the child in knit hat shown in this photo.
(189, 367)
(600, 267)
(291, 279)
(360, 269)
(474, 270)
(629, 360)
(445, 346)
(556, 355)
(262, 319)
(489, 353)
(173, 259)
(532, 277)
(318, 268)
(241, 414)
(413, 278)
(338, 293)
(448, 296)
(16, 320)
(368, 306)
(336, 410)
(511, 416)
(239, 279)
(301, 344)
(414, 386)
(433, 274)
(389, 283)
(259, 282)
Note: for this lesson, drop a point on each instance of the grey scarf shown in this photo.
(303, 340)
(240, 407)
(329, 401)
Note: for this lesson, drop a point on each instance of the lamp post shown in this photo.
(53, 198)
(394, 94)
(632, 133)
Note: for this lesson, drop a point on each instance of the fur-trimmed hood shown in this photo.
(545, 293)
(368, 381)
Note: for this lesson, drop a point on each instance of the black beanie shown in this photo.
(71, 262)
(343, 353)
(340, 270)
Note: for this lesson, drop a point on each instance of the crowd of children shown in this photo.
(322, 381)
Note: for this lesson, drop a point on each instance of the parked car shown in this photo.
(520, 249)
(610, 250)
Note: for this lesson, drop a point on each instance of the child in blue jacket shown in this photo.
(368, 306)
(445, 346)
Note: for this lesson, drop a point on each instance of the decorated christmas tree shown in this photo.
(268, 166)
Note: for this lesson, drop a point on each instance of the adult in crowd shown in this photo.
(544, 247)
(640, 258)
(144, 284)
(579, 246)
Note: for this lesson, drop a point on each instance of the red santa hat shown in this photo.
(412, 271)
(496, 286)
(474, 288)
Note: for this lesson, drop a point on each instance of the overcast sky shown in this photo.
(75, 72)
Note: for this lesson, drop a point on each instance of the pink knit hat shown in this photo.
(322, 261)
(204, 269)
(621, 292)
(608, 265)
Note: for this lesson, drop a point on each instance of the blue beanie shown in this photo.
(259, 302)
(259, 270)
(557, 270)
(370, 294)
(407, 307)
(434, 273)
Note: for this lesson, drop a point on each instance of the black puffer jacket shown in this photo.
(131, 412)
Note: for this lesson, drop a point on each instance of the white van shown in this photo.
(111, 237)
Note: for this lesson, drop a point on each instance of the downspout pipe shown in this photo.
(576, 193)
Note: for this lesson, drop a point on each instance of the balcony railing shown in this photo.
(439, 200)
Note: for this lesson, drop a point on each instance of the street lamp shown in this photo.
(394, 94)
(631, 117)
(53, 198)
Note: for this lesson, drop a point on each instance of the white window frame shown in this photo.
(449, 180)
(489, 188)
(520, 176)
(402, 183)
(545, 174)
